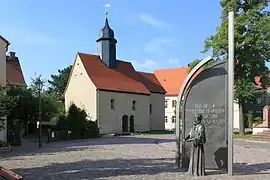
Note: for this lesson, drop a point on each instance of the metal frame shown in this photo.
(230, 91)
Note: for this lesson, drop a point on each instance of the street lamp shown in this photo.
(39, 84)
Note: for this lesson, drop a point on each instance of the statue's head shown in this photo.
(198, 119)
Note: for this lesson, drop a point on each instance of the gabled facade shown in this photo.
(10, 73)
(112, 92)
(171, 80)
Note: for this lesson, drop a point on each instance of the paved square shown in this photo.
(133, 157)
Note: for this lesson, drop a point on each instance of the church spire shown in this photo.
(107, 44)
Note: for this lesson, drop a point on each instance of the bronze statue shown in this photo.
(197, 138)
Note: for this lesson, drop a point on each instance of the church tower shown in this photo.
(106, 45)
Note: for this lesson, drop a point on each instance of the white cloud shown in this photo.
(150, 20)
(29, 37)
(173, 61)
(158, 45)
(145, 64)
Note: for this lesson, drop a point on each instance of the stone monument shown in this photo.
(206, 94)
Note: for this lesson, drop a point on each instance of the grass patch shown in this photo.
(239, 136)
(157, 132)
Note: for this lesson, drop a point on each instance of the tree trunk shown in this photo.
(25, 128)
(241, 120)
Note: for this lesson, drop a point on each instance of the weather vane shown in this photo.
(106, 10)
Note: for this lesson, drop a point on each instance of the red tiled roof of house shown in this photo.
(124, 78)
(151, 82)
(172, 79)
(14, 71)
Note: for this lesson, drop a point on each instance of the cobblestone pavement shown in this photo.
(133, 157)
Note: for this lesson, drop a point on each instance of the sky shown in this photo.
(152, 34)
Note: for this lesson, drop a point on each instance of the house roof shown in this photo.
(124, 78)
(172, 79)
(14, 71)
(151, 82)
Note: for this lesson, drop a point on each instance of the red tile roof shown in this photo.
(151, 82)
(124, 78)
(171, 79)
(14, 71)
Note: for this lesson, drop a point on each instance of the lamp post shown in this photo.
(39, 84)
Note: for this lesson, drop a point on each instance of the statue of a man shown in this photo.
(197, 138)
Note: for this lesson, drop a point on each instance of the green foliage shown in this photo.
(3, 144)
(59, 82)
(7, 103)
(92, 129)
(252, 42)
(76, 119)
(250, 119)
(62, 123)
(245, 91)
(197, 61)
(257, 119)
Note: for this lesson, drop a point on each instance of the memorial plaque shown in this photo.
(207, 95)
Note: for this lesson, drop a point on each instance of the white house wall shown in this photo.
(110, 120)
(158, 111)
(3, 44)
(236, 115)
(169, 112)
(81, 91)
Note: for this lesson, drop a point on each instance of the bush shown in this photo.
(76, 120)
(3, 144)
(92, 129)
(257, 119)
(250, 119)
(62, 123)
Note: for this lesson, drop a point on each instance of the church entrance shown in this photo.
(125, 123)
(131, 126)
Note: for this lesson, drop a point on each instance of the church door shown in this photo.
(125, 123)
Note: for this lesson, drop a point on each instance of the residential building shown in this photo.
(112, 92)
(171, 80)
(10, 73)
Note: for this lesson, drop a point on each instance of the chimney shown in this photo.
(12, 55)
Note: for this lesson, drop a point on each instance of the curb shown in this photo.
(253, 141)
(6, 149)
(9, 174)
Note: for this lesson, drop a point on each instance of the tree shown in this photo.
(25, 108)
(252, 45)
(59, 82)
(193, 64)
(6, 104)
(197, 61)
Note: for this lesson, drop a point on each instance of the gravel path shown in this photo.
(134, 157)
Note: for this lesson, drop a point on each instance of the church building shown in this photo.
(112, 92)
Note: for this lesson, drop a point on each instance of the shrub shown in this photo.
(250, 118)
(92, 129)
(76, 120)
(3, 144)
(257, 119)
(62, 123)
